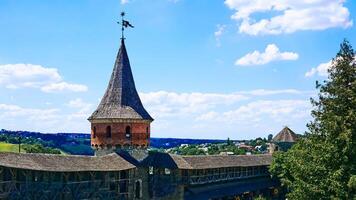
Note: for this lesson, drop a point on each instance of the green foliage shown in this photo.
(322, 164)
(76, 149)
(260, 198)
(37, 148)
(190, 150)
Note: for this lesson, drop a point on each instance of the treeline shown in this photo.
(71, 143)
(222, 147)
(30, 145)
(38, 148)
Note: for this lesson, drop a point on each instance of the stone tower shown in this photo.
(120, 121)
(283, 141)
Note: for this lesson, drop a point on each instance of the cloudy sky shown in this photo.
(204, 69)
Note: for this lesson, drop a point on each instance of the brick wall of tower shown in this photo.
(140, 135)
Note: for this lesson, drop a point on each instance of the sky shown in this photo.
(204, 69)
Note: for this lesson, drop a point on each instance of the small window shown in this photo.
(94, 132)
(150, 170)
(167, 171)
(147, 133)
(138, 189)
(128, 132)
(108, 132)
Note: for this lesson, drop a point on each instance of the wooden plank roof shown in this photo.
(285, 135)
(121, 100)
(206, 161)
(64, 163)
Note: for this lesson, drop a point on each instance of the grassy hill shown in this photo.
(7, 147)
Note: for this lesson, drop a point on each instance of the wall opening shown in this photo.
(94, 132)
(128, 132)
(147, 133)
(108, 131)
(138, 189)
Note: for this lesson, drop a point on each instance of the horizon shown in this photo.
(200, 75)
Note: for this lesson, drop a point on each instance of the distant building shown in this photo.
(205, 149)
(226, 153)
(283, 140)
(246, 147)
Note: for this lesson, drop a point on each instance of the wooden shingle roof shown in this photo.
(206, 161)
(121, 100)
(64, 163)
(285, 135)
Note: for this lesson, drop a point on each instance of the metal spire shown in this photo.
(124, 24)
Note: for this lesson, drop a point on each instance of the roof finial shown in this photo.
(124, 24)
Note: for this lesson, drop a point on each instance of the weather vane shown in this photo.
(124, 24)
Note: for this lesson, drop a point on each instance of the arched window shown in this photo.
(128, 132)
(108, 131)
(94, 132)
(138, 189)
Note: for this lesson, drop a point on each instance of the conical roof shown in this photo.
(285, 135)
(121, 100)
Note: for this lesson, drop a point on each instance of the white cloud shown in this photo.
(291, 15)
(171, 104)
(277, 110)
(219, 115)
(14, 76)
(74, 119)
(124, 1)
(218, 33)
(320, 70)
(264, 92)
(64, 86)
(271, 53)
(85, 109)
(9, 111)
(189, 115)
(168, 104)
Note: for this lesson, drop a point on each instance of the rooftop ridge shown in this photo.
(69, 163)
(285, 135)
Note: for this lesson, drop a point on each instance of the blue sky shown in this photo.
(218, 69)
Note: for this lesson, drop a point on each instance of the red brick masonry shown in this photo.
(139, 137)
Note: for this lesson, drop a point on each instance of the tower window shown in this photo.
(108, 131)
(94, 132)
(147, 132)
(138, 189)
(128, 132)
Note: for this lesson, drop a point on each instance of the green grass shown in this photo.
(7, 147)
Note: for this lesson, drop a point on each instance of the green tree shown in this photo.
(322, 164)
(38, 148)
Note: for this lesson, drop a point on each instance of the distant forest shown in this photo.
(78, 143)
